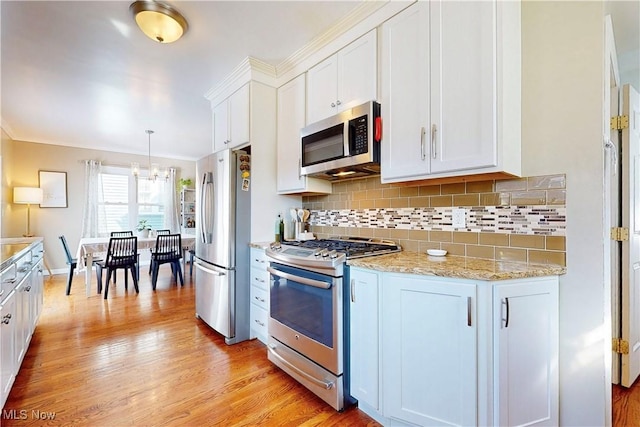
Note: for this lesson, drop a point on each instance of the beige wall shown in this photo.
(562, 128)
(21, 162)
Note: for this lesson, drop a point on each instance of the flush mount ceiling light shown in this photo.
(159, 21)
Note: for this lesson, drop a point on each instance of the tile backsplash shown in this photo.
(522, 219)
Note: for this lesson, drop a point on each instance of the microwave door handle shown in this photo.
(303, 280)
(345, 138)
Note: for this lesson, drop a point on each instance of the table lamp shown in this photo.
(26, 196)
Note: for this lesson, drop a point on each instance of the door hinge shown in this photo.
(619, 233)
(620, 346)
(619, 122)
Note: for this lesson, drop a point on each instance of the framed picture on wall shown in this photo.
(54, 189)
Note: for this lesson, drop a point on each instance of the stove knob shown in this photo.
(317, 254)
(333, 254)
(325, 253)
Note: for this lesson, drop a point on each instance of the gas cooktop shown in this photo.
(352, 247)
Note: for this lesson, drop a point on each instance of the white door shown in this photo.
(405, 94)
(291, 108)
(357, 76)
(462, 133)
(631, 247)
(322, 89)
(430, 320)
(220, 126)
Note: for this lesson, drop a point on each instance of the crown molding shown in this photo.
(249, 69)
(357, 15)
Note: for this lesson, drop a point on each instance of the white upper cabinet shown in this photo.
(345, 79)
(450, 82)
(231, 120)
(291, 113)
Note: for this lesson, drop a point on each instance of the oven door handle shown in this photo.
(325, 384)
(303, 280)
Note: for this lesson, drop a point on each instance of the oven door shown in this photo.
(306, 314)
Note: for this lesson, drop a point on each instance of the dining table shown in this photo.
(89, 246)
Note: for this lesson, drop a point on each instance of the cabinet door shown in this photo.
(221, 126)
(429, 350)
(8, 321)
(291, 108)
(357, 72)
(364, 332)
(526, 353)
(463, 85)
(405, 94)
(239, 132)
(322, 89)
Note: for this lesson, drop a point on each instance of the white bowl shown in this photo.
(436, 252)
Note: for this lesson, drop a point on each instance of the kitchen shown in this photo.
(551, 62)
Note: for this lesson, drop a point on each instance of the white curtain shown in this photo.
(171, 221)
(92, 193)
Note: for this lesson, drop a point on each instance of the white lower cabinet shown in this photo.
(259, 310)
(441, 351)
(525, 354)
(8, 339)
(364, 338)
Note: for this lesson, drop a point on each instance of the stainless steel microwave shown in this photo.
(346, 145)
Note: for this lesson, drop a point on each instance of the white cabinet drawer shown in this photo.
(259, 322)
(260, 297)
(260, 278)
(259, 259)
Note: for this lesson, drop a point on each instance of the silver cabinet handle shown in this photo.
(333, 104)
(422, 134)
(303, 280)
(259, 260)
(326, 384)
(353, 293)
(434, 130)
(299, 168)
(260, 280)
(338, 102)
(259, 299)
(468, 311)
(258, 322)
(6, 319)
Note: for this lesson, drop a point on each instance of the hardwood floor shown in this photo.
(626, 405)
(145, 360)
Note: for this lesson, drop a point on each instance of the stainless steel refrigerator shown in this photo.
(222, 244)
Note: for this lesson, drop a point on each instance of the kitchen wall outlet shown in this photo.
(459, 217)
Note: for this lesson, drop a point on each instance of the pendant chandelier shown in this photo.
(155, 171)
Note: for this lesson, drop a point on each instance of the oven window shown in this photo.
(303, 308)
(323, 146)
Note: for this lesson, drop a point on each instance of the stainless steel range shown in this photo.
(309, 313)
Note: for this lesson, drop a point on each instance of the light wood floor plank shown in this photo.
(145, 360)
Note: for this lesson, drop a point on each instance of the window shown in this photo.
(124, 201)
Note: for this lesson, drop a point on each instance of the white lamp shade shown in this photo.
(27, 195)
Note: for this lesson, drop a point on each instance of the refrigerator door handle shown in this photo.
(208, 270)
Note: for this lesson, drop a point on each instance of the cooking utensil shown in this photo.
(306, 215)
(301, 214)
(294, 214)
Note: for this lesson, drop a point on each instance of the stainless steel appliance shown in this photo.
(309, 311)
(346, 145)
(222, 245)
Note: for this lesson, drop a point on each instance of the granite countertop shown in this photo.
(455, 266)
(259, 245)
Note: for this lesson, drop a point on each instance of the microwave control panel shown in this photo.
(358, 135)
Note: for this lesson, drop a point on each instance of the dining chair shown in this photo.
(121, 233)
(158, 232)
(168, 250)
(72, 262)
(127, 233)
(121, 253)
